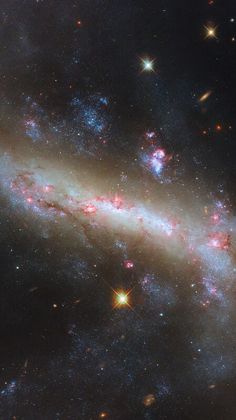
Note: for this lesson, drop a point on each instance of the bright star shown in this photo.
(121, 298)
(147, 64)
(211, 31)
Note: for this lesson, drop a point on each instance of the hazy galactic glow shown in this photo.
(48, 194)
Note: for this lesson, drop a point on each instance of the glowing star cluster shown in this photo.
(155, 157)
(157, 160)
(219, 240)
(128, 264)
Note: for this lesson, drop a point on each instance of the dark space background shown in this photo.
(76, 67)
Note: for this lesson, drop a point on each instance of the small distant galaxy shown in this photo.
(118, 221)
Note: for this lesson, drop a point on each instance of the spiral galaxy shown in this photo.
(117, 216)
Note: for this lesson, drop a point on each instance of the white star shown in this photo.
(147, 64)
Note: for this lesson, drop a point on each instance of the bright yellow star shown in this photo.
(211, 31)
